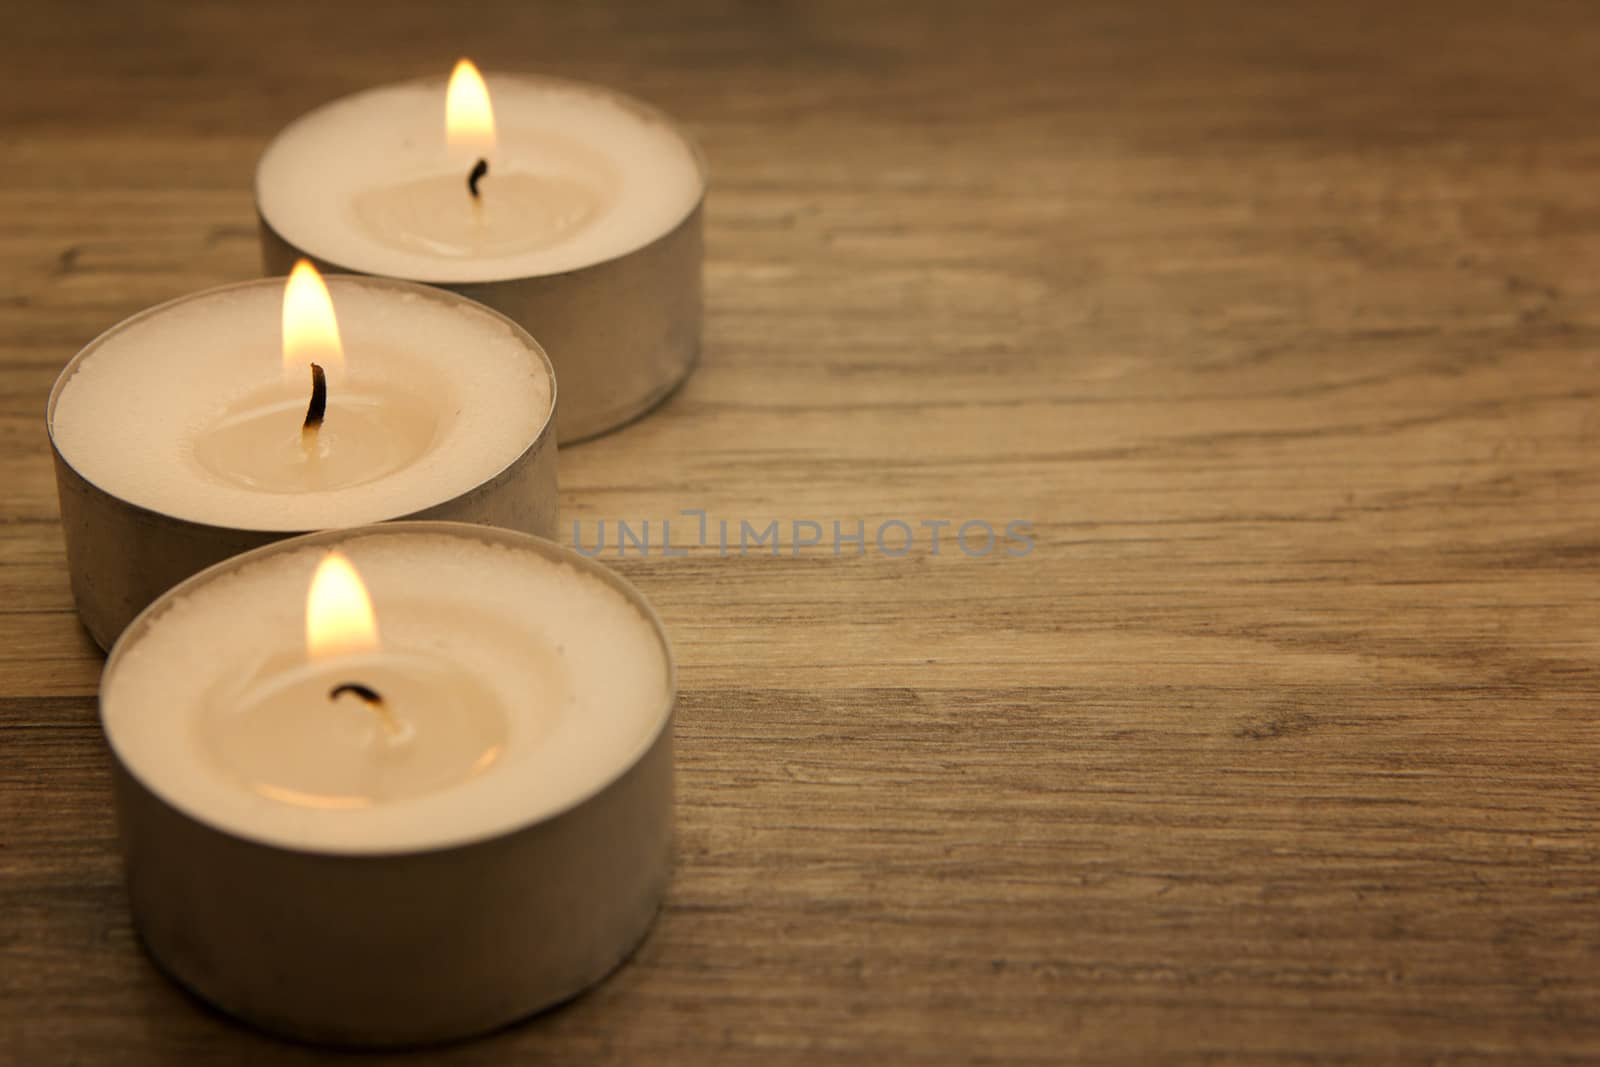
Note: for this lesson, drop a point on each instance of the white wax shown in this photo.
(436, 396)
(579, 175)
(578, 675)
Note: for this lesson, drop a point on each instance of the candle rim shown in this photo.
(633, 105)
(333, 277)
(550, 550)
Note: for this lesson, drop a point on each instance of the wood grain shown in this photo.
(1278, 321)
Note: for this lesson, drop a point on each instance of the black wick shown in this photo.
(319, 398)
(368, 696)
(479, 169)
(364, 693)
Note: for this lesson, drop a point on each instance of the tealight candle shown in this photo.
(573, 209)
(233, 417)
(396, 784)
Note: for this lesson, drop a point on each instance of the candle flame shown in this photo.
(310, 330)
(468, 118)
(339, 617)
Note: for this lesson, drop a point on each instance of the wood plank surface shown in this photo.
(1278, 323)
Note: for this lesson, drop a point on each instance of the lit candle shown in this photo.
(240, 415)
(572, 209)
(396, 784)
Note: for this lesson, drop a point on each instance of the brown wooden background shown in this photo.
(1279, 321)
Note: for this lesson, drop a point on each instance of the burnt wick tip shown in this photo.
(479, 169)
(365, 693)
(369, 696)
(319, 398)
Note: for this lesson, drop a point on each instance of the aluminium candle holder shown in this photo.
(404, 947)
(121, 556)
(622, 333)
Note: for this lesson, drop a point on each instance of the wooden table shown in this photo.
(1278, 322)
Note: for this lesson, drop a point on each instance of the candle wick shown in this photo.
(319, 403)
(368, 696)
(479, 169)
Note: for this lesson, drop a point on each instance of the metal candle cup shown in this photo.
(621, 320)
(445, 914)
(122, 553)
